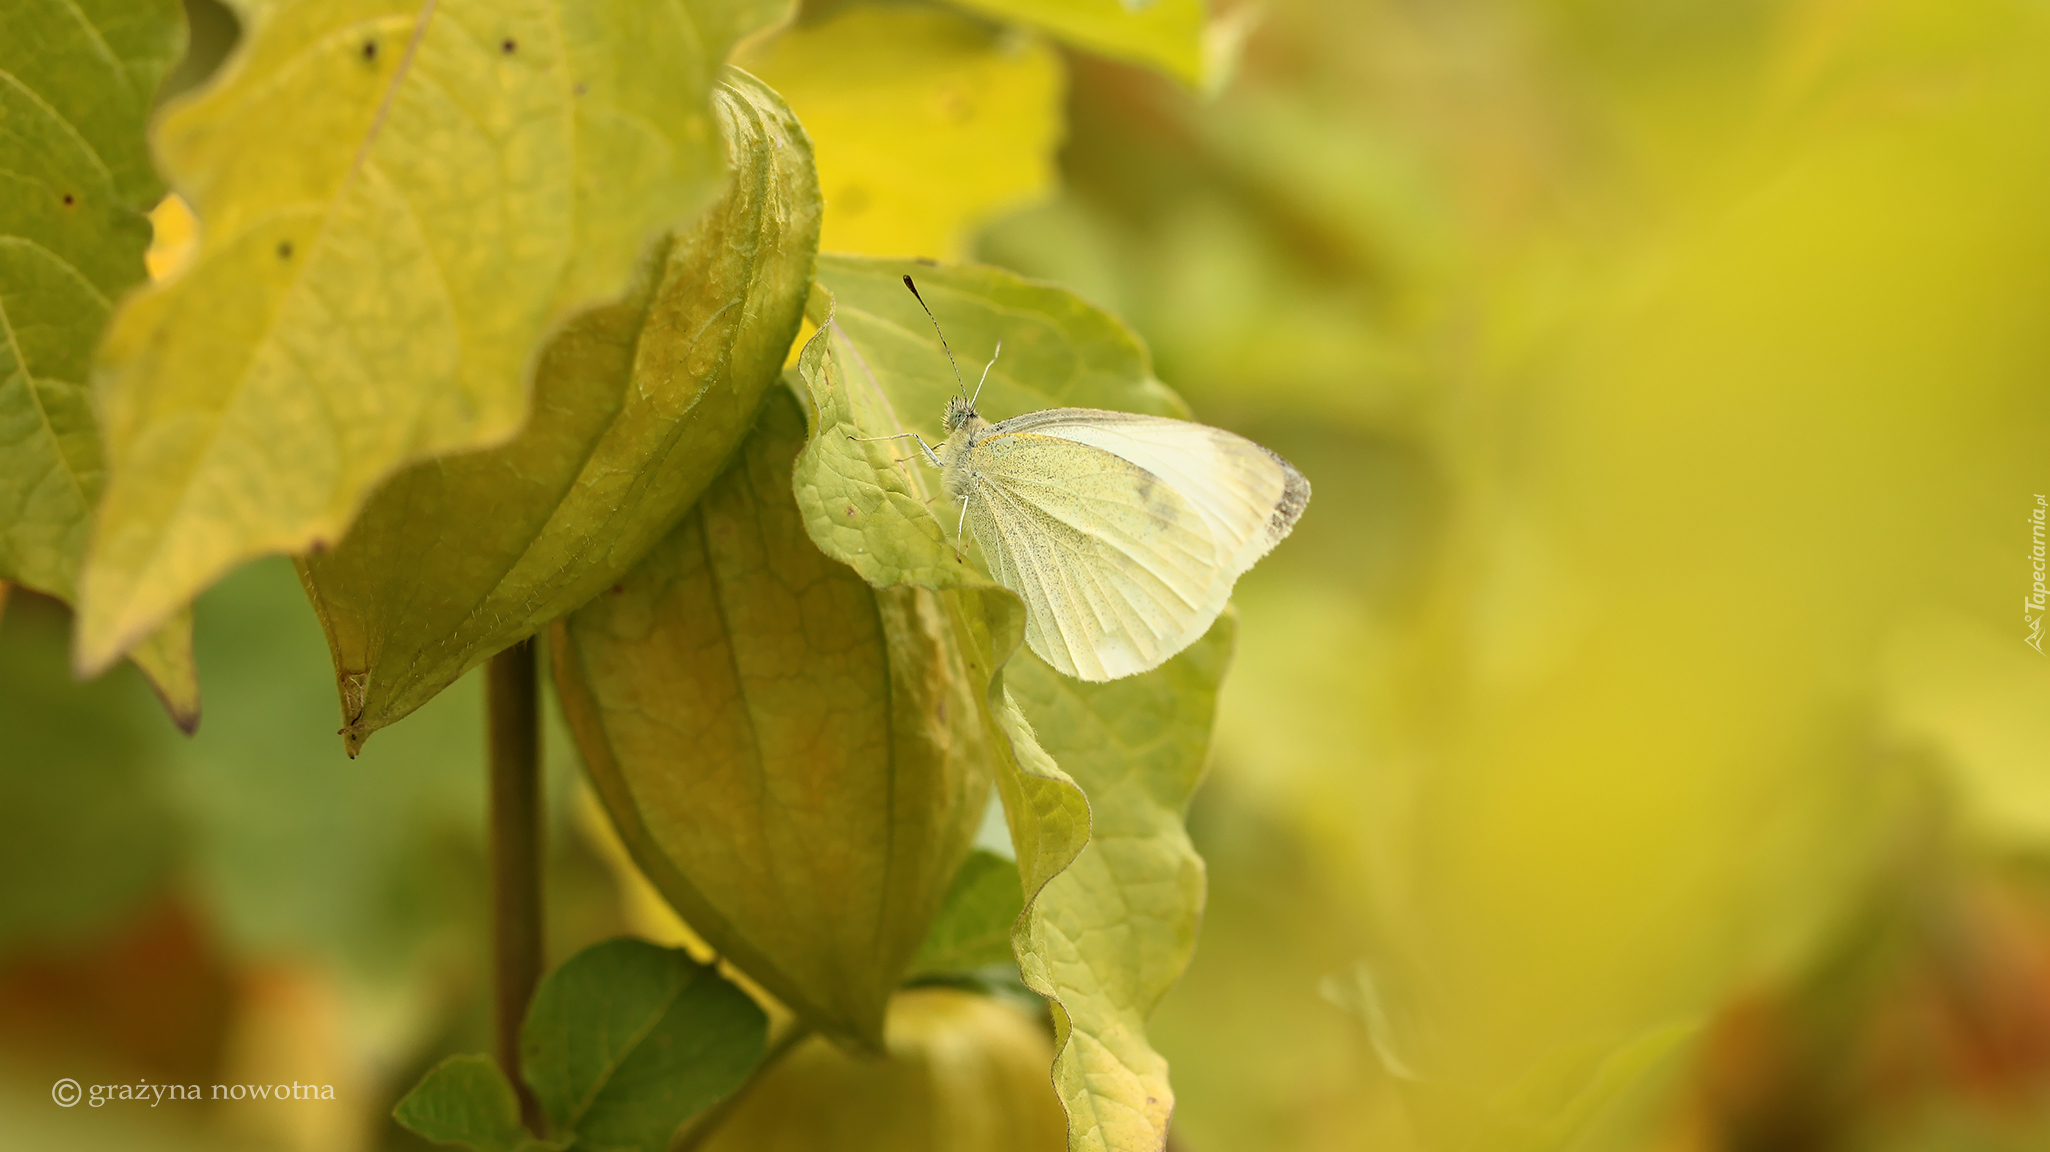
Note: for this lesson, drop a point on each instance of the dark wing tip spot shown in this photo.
(284, 249)
(510, 46)
(1295, 496)
(370, 50)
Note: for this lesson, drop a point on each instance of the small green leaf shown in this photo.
(1058, 348)
(1165, 34)
(467, 1102)
(397, 204)
(1112, 932)
(75, 184)
(794, 758)
(973, 929)
(628, 1040)
(637, 405)
(877, 369)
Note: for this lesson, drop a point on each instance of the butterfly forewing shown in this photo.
(1247, 496)
(1118, 570)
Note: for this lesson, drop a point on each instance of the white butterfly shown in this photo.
(1122, 533)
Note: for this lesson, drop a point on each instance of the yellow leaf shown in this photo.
(398, 203)
(1166, 34)
(926, 124)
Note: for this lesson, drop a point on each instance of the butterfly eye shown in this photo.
(958, 411)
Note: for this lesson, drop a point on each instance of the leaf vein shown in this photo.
(59, 118)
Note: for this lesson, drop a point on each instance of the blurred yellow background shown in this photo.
(1636, 746)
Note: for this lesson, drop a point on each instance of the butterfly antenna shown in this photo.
(985, 372)
(943, 336)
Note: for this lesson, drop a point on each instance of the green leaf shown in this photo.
(628, 1040)
(466, 1101)
(964, 1073)
(880, 371)
(1113, 931)
(875, 368)
(397, 203)
(84, 74)
(76, 83)
(794, 758)
(637, 405)
(973, 928)
(1165, 34)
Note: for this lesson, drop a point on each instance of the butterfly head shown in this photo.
(960, 410)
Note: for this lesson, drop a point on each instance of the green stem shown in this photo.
(694, 1136)
(514, 726)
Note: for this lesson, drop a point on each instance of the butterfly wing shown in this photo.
(1117, 570)
(1247, 496)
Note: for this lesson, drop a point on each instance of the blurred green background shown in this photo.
(1634, 747)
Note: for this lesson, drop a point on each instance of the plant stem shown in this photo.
(514, 726)
(690, 1138)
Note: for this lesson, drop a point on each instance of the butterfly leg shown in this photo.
(960, 528)
(931, 456)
